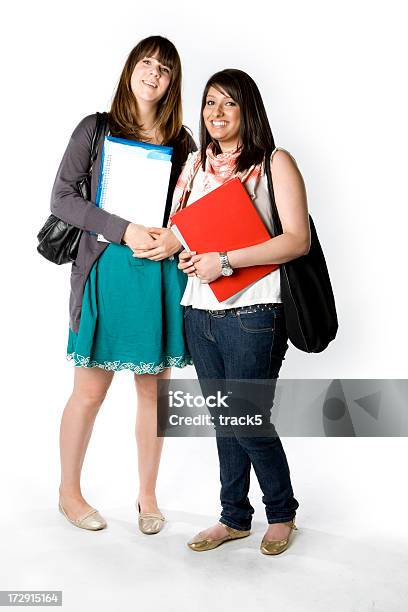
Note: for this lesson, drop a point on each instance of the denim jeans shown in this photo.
(244, 343)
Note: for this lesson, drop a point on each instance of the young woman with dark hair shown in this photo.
(245, 336)
(125, 313)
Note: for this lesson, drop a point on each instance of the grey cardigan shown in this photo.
(68, 205)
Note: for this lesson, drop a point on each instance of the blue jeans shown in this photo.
(244, 343)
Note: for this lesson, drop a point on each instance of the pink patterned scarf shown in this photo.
(218, 169)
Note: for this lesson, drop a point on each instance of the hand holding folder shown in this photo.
(224, 220)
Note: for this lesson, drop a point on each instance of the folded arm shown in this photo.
(291, 202)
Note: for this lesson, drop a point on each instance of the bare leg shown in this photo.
(149, 446)
(90, 388)
(277, 531)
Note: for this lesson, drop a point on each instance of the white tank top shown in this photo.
(266, 290)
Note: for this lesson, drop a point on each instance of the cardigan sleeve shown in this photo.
(66, 202)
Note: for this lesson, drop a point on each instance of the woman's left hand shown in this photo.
(208, 266)
(166, 245)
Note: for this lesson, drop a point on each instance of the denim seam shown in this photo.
(256, 331)
(272, 344)
(281, 520)
(207, 328)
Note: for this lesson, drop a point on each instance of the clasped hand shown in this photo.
(158, 243)
(154, 243)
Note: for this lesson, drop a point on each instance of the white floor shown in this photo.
(350, 553)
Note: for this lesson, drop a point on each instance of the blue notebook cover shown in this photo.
(157, 151)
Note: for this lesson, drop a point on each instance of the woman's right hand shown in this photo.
(185, 263)
(137, 237)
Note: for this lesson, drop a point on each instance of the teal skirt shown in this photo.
(131, 317)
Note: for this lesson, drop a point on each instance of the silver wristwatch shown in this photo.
(226, 269)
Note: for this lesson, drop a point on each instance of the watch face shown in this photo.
(227, 271)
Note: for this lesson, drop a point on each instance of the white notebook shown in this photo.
(134, 180)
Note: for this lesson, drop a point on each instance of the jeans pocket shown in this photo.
(261, 321)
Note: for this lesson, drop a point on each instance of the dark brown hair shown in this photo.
(255, 132)
(123, 116)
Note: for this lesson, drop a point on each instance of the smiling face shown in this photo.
(222, 118)
(150, 80)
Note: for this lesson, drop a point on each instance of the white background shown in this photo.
(333, 79)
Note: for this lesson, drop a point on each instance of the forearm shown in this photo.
(73, 209)
(280, 249)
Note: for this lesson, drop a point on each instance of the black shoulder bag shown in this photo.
(306, 292)
(58, 240)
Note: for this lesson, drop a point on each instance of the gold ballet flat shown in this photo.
(92, 520)
(150, 522)
(275, 547)
(209, 544)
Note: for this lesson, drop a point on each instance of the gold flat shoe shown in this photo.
(150, 522)
(275, 547)
(92, 520)
(209, 544)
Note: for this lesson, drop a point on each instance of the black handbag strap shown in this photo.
(98, 135)
(276, 222)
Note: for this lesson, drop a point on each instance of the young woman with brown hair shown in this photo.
(125, 313)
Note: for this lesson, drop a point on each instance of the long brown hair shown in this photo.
(255, 132)
(123, 113)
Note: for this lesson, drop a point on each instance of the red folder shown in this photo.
(224, 220)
